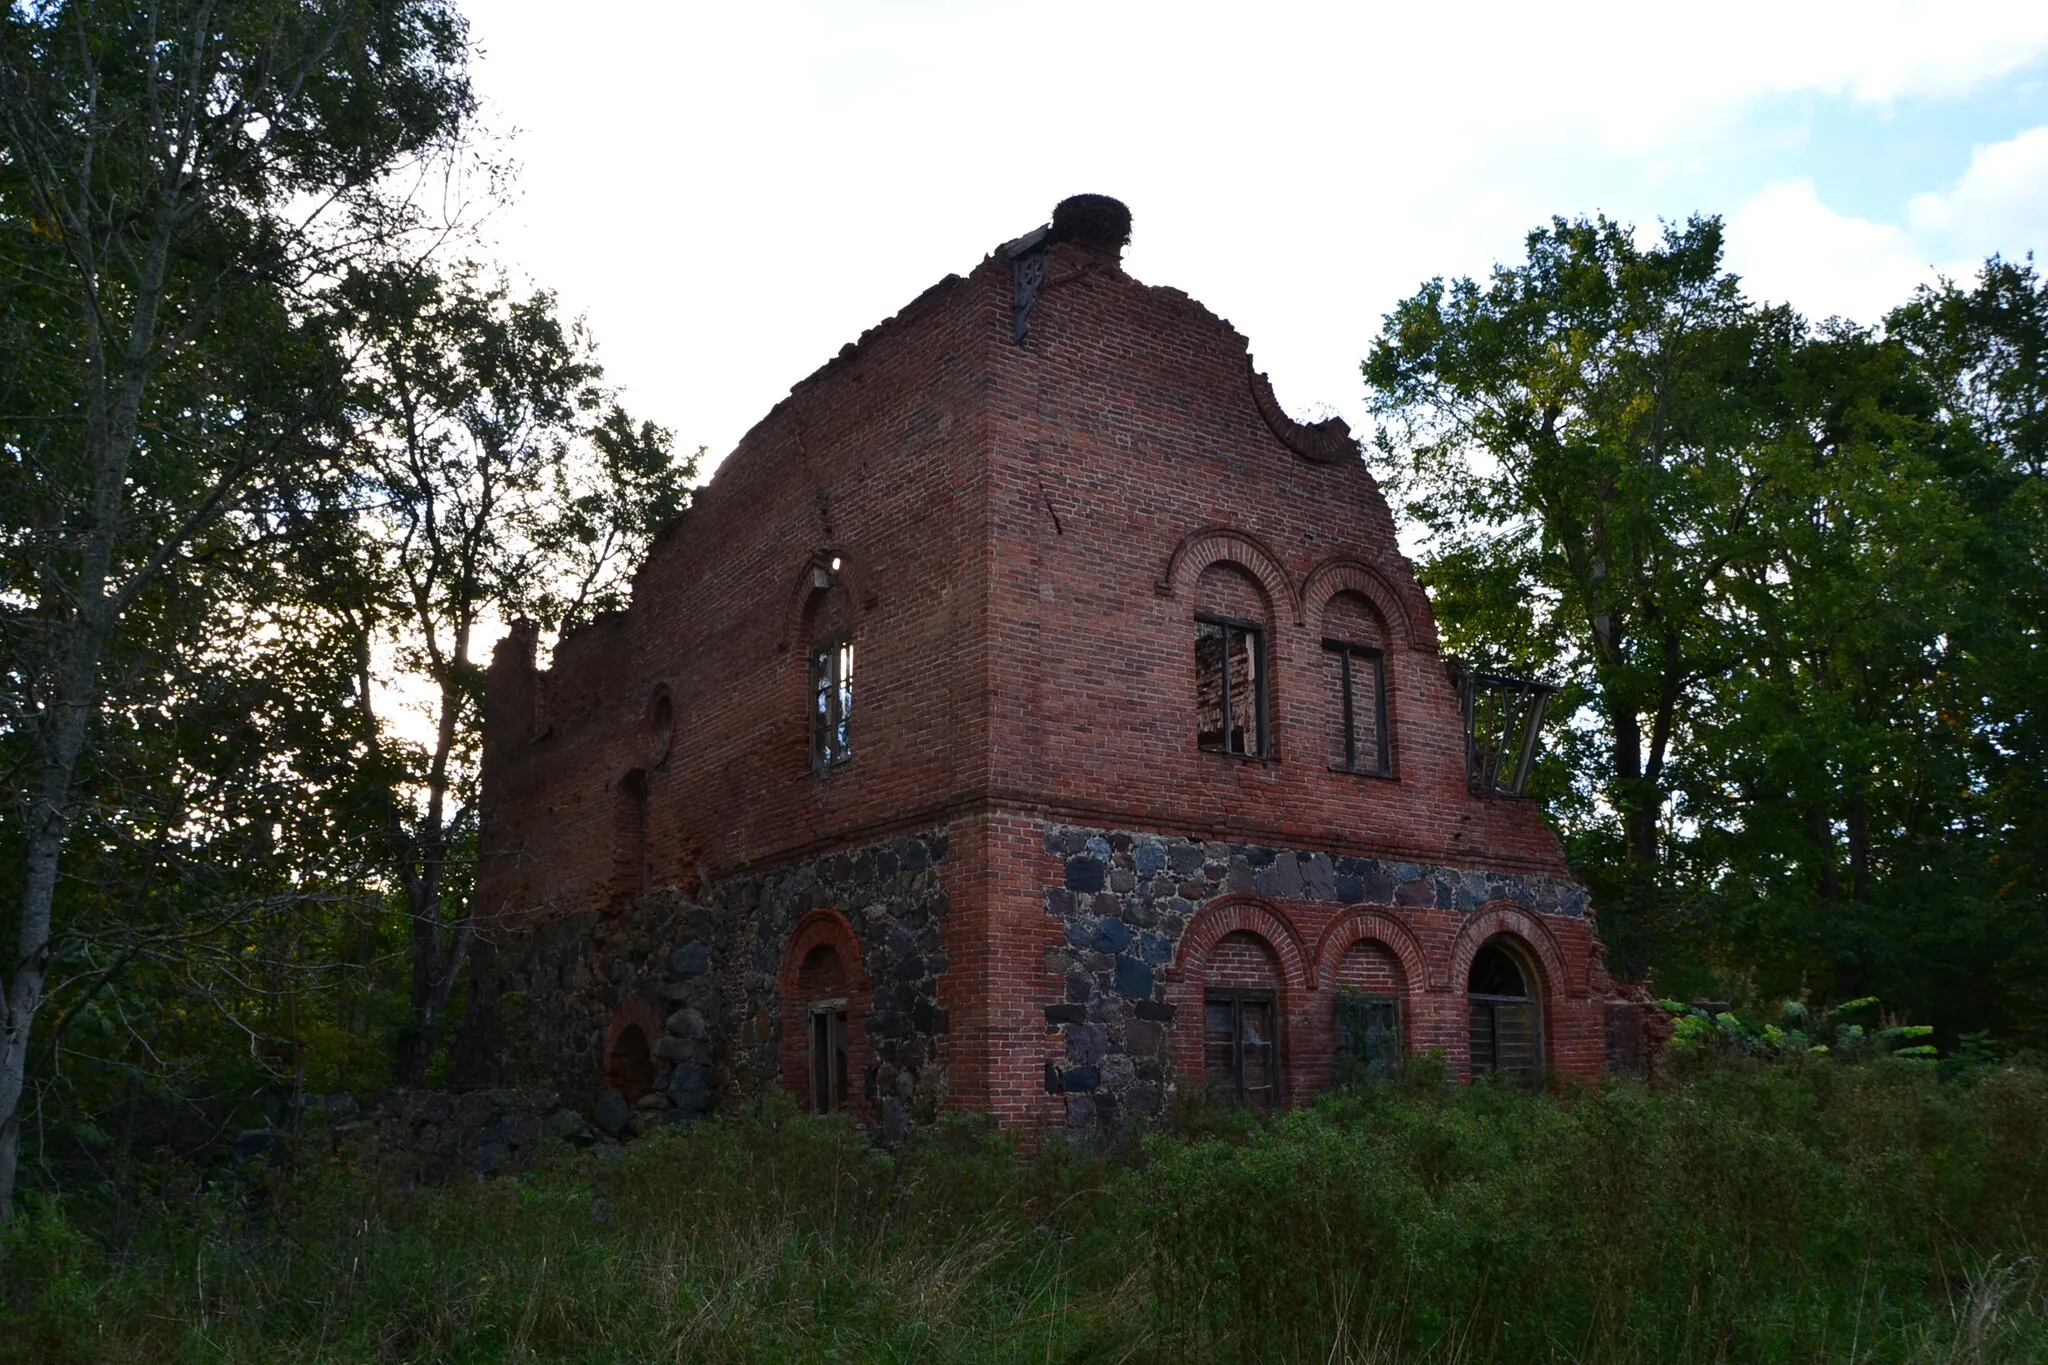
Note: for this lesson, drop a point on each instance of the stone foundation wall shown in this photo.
(543, 1000)
(1129, 1012)
(428, 1137)
(705, 982)
(892, 897)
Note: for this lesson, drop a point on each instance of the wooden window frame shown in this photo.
(1348, 653)
(1493, 1005)
(1235, 1081)
(831, 702)
(826, 1056)
(1262, 686)
(1352, 998)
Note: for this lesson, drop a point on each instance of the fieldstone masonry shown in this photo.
(891, 895)
(543, 1000)
(1126, 901)
(711, 972)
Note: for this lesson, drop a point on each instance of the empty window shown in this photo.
(630, 1068)
(1505, 1029)
(629, 836)
(1230, 687)
(1239, 1056)
(1368, 1036)
(831, 702)
(1356, 687)
(828, 1057)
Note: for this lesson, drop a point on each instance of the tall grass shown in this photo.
(1809, 1213)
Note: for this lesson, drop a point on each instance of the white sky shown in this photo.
(732, 191)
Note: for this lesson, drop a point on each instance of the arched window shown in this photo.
(1506, 1024)
(660, 728)
(1241, 1019)
(1368, 1007)
(828, 629)
(630, 1067)
(1355, 688)
(822, 992)
(629, 836)
(1232, 667)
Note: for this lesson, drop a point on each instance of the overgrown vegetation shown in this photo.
(1802, 1211)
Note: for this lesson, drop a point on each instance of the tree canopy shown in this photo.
(1789, 578)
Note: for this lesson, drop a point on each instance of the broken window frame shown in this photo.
(1490, 1008)
(829, 1070)
(1348, 655)
(1368, 1028)
(1519, 699)
(1232, 1078)
(831, 702)
(1255, 634)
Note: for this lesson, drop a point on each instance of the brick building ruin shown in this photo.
(1030, 718)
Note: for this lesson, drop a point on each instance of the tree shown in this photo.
(1574, 435)
(499, 479)
(180, 176)
(1792, 581)
(1984, 349)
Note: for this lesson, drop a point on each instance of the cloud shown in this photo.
(1789, 247)
(732, 191)
(2000, 203)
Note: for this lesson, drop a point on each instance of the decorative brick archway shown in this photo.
(825, 928)
(1187, 980)
(1221, 545)
(630, 1066)
(1333, 576)
(1505, 917)
(1370, 926)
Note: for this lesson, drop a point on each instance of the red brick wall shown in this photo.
(877, 461)
(1024, 534)
(1372, 968)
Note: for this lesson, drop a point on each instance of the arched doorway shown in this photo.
(1240, 1019)
(1506, 1022)
(822, 993)
(630, 1067)
(1370, 987)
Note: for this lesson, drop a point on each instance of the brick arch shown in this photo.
(1506, 917)
(634, 1012)
(1333, 576)
(852, 576)
(1220, 545)
(823, 928)
(1245, 914)
(1374, 926)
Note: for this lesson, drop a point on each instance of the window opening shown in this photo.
(1239, 1050)
(661, 729)
(1357, 681)
(1503, 721)
(1230, 687)
(828, 1057)
(630, 872)
(631, 1072)
(1505, 1034)
(831, 703)
(1368, 1036)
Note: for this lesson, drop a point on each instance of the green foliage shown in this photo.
(1761, 1213)
(1791, 581)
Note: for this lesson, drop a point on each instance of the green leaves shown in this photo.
(1791, 582)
